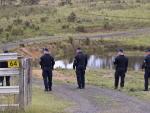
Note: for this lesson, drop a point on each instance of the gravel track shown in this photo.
(98, 100)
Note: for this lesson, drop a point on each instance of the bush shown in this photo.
(17, 31)
(9, 28)
(65, 2)
(32, 26)
(80, 29)
(72, 17)
(37, 28)
(27, 23)
(17, 21)
(44, 19)
(70, 40)
(1, 30)
(7, 35)
(30, 2)
(87, 41)
(65, 26)
(138, 1)
(58, 20)
(107, 25)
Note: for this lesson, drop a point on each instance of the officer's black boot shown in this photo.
(116, 87)
(146, 83)
(50, 89)
(7, 80)
(2, 83)
(146, 87)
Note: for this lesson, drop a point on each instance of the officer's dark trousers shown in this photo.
(47, 77)
(119, 74)
(7, 80)
(2, 80)
(146, 77)
(80, 78)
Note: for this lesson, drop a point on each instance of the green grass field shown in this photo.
(17, 22)
(44, 103)
(130, 43)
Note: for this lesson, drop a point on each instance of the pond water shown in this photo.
(101, 62)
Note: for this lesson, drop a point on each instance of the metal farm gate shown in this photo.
(17, 95)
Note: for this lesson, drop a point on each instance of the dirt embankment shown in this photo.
(37, 73)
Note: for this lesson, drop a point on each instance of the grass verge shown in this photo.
(44, 103)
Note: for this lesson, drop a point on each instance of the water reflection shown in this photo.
(64, 64)
(100, 62)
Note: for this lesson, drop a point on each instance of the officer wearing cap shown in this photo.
(146, 66)
(121, 65)
(47, 64)
(80, 63)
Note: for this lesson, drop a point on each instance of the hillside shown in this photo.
(48, 18)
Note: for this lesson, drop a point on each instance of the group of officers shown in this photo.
(80, 63)
(121, 66)
(47, 63)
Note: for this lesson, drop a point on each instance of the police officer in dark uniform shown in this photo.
(121, 64)
(80, 63)
(146, 66)
(47, 64)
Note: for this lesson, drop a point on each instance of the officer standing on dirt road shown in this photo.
(121, 65)
(47, 64)
(146, 66)
(80, 63)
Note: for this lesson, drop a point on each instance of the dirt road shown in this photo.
(98, 100)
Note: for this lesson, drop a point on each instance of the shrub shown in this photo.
(80, 29)
(72, 17)
(17, 21)
(30, 2)
(65, 2)
(17, 31)
(9, 28)
(7, 35)
(32, 26)
(87, 41)
(70, 40)
(37, 28)
(107, 24)
(27, 23)
(44, 19)
(58, 20)
(1, 30)
(65, 26)
(138, 1)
